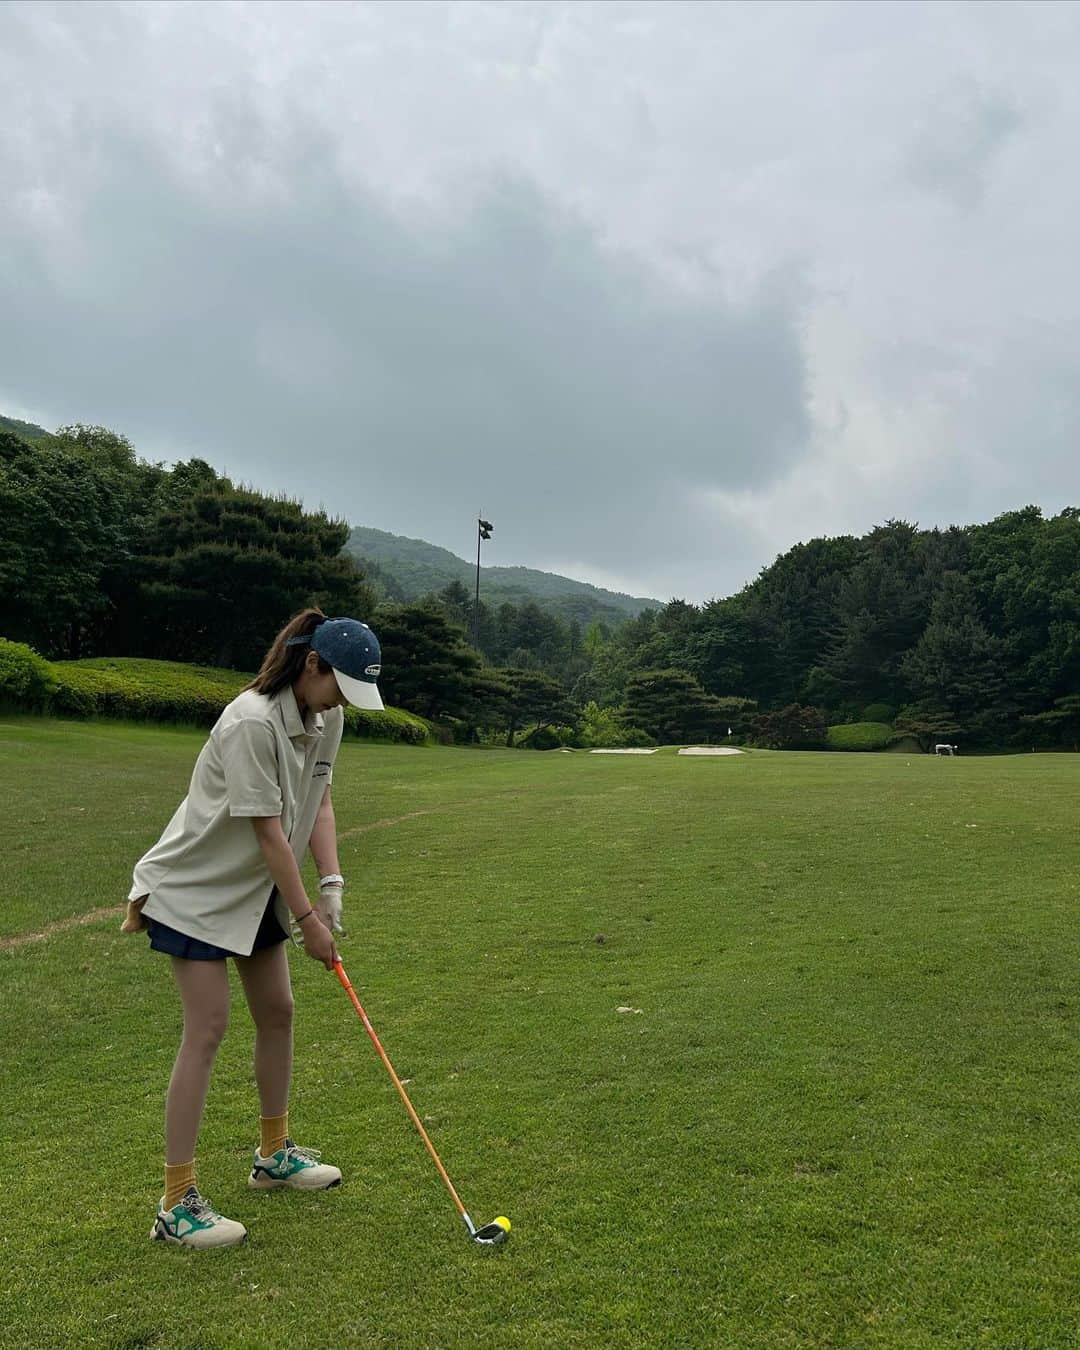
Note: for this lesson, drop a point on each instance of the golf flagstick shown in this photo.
(491, 1234)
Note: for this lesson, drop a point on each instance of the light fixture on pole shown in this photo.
(483, 531)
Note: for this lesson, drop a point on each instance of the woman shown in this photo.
(224, 881)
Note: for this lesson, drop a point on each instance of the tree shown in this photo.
(457, 603)
(672, 706)
(737, 712)
(61, 526)
(928, 724)
(792, 728)
(595, 636)
(792, 609)
(99, 445)
(215, 570)
(957, 665)
(726, 651)
(428, 667)
(1025, 573)
(600, 728)
(532, 697)
(1062, 720)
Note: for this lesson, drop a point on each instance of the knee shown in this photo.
(204, 1037)
(276, 1014)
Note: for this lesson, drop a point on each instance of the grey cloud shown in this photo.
(964, 133)
(415, 260)
(269, 316)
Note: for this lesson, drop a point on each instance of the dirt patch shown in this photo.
(387, 821)
(62, 925)
(398, 820)
(117, 911)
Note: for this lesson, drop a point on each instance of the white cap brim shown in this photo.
(360, 693)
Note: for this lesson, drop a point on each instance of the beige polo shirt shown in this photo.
(206, 875)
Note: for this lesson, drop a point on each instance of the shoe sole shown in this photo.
(264, 1184)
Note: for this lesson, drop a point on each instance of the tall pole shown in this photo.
(483, 531)
(476, 606)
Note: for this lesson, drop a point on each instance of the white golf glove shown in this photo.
(329, 907)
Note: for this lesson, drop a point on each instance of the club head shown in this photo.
(492, 1234)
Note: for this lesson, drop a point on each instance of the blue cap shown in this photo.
(352, 650)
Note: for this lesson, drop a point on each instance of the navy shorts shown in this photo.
(173, 943)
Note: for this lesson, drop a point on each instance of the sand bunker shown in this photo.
(623, 752)
(709, 750)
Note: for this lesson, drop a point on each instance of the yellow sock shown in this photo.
(274, 1130)
(178, 1178)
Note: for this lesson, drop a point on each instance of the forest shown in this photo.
(970, 632)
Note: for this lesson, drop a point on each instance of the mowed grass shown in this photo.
(842, 1113)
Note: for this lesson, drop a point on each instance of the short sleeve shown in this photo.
(249, 760)
(335, 728)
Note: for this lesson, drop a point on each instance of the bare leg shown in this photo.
(204, 991)
(265, 977)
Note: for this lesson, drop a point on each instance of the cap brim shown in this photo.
(360, 693)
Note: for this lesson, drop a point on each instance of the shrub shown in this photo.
(606, 729)
(73, 701)
(878, 712)
(26, 679)
(144, 690)
(791, 728)
(565, 736)
(633, 738)
(392, 724)
(601, 728)
(168, 691)
(861, 736)
(541, 738)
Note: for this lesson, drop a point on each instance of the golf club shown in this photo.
(492, 1234)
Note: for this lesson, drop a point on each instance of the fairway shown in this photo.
(754, 1051)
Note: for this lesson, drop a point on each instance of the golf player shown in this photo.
(224, 881)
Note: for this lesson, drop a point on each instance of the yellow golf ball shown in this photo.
(503, 1222)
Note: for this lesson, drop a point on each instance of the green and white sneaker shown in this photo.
(193, 1222)
(293, 1166)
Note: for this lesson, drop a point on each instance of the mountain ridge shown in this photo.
(29, 431)
(404, 568)
(415, 567)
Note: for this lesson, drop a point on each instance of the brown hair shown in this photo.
(282, 664)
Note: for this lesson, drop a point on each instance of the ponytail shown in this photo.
(283, 663)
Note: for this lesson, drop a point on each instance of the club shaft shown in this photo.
(339, 970)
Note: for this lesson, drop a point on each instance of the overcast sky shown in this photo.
(661, 288)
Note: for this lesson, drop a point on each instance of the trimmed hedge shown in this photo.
(861, 736)
(144, 690)
(169, 691)
(26, 679)
(392, 724)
